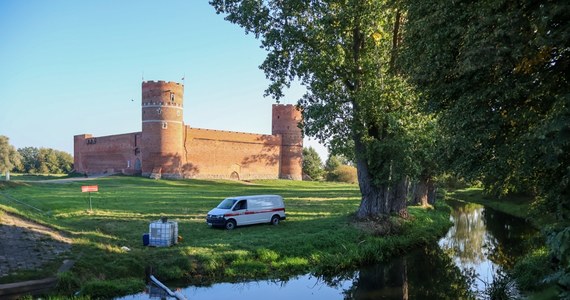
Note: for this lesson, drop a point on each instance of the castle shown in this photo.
(168, 148)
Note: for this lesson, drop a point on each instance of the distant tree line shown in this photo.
(33, 160)
(44, 161)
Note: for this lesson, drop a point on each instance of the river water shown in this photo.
(481, 244)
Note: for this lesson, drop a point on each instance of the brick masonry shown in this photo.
(167, 146)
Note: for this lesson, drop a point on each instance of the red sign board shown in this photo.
(89, 188)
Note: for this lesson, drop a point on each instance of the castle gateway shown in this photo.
(166, 147)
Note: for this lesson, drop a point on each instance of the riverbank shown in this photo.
(318, 236)
(520, 206)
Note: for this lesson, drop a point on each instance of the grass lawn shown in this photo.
(318, 235)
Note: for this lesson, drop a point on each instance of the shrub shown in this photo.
(451, 182)
(343, 173)
(532, 269)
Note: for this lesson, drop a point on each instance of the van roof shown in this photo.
(254, 197)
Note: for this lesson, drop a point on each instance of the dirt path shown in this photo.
(25, 245)
(72, 179)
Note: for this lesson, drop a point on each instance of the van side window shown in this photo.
(241, 205)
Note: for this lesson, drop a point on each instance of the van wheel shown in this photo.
(275, 220)
(230, 224)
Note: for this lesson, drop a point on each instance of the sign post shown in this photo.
(89, 188)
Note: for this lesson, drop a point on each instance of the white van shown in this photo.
(246, 210)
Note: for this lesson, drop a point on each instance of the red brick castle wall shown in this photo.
(107, 154)
(174, 150)
(231, 155)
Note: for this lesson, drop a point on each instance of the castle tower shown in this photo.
(285, 123)
(162, 145)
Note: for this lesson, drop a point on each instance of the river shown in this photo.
(481, 244)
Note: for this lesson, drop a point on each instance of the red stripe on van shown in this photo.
(256, 212)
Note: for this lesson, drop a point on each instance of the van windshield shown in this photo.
(227, 203)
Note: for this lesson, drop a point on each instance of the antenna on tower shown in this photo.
(183, 77)
(142, 75)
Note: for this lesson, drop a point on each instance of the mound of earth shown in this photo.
(25, 245)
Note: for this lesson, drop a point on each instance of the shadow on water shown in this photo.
(481, 244)
(426, 273)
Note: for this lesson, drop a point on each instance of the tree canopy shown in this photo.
(45, 161)
(312, 164)
(496, 74)
(335, 161)
(9, 157)
(344, 53)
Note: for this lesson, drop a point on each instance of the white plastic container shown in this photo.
(163, 234)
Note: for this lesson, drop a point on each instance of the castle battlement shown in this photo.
(161, 82)
(228, 131)
(151, 104)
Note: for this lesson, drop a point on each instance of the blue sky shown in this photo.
(74, 67)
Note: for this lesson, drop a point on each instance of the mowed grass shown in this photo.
(318, 235)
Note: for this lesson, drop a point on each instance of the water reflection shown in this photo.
(427, 273)
(481, 240)
(484, 241)
(467, 238)
(302, 287)
(513, 237)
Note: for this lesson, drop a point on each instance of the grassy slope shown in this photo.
(317, 235)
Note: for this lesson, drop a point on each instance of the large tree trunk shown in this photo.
(373, 201)
(378, 199)
(424, 193)
(398, 197)
(431, 192)
(421, 192)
